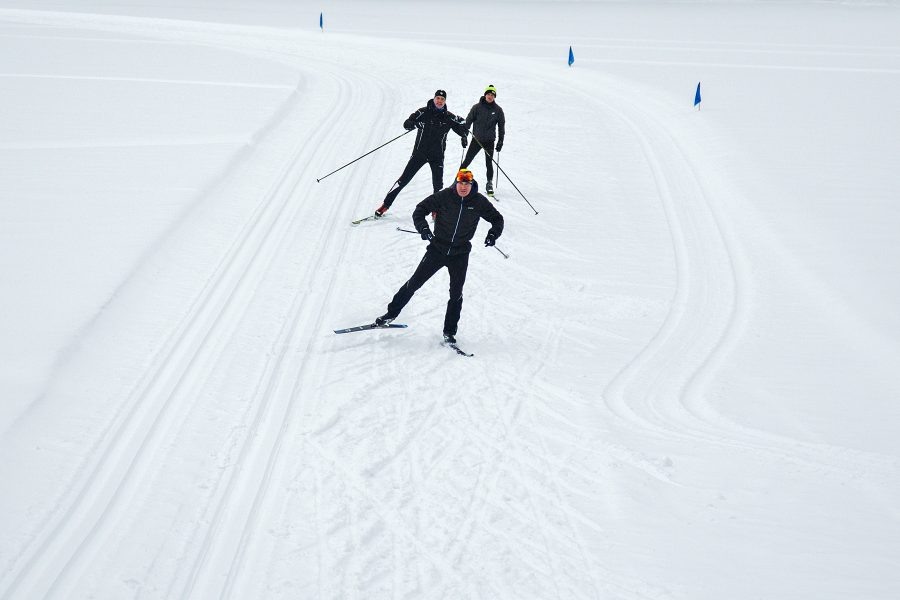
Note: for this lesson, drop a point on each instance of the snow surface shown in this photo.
(686, 376)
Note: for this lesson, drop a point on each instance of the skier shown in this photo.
(486, 115)
(459, 209)
(433, 121)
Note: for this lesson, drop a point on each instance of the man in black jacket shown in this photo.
(485, 116)
(433, 121)
(459, 209)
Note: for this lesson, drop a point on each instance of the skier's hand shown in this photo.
(499, 146)
(409, 126)
(464, 140)
(426, 234)
(490, 239)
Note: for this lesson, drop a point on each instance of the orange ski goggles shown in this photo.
(465, 176)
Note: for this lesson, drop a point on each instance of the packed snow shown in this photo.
(686, 381)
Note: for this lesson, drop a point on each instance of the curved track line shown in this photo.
(209, 307)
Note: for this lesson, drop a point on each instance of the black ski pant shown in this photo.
(474, 147)
(433, 261)
(416, 162)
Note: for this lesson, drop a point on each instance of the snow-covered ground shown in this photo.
(686, 382)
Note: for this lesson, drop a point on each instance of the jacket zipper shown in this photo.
(462, 201)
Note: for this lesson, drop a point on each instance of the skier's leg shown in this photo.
(412, 167)
(457, 267)
(488, 162)
(470, 154)
(437, 174)
(430, 264)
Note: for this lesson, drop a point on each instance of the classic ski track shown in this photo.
(152, 438)
(266, 463)
(206, 304)
(250, 529)
(696, 420)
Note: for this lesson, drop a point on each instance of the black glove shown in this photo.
(409, 127)
(499, 146)
(464, 140)
(491, 239)
(427, 235)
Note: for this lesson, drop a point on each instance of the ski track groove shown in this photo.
(272, 459)
(184, 341)
(184, 335)
(211, 309)
(271, 384)
(705, 256)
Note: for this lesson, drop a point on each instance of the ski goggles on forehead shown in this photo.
(465, 176)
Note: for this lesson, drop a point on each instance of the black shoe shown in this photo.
(449, 338)
(383, 320)
(489, 188)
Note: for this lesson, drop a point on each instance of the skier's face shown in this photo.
(439, 101)
(463, 188)
(489, 97)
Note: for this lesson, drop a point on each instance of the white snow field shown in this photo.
(686, 381)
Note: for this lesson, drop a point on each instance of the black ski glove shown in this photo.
(427, 235)
(408, 126)
(490, 239)
(499, 146)
(464, 140)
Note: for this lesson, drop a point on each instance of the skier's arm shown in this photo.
(492, 216)
(410, 123)
(471, 117)
(459, 126)
(423, 208)
(501, 129)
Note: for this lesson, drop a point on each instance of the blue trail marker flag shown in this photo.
(571, 56)
(320, 22)
(697, 96)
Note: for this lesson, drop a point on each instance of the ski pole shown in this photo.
(498, 166)
(318, 179)
(504, 174)
(505, 255)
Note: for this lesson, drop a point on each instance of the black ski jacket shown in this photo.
(457, 219)
(432, 138)
(485, 117)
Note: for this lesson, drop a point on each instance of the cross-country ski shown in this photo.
(371, 326)
(458, 350)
